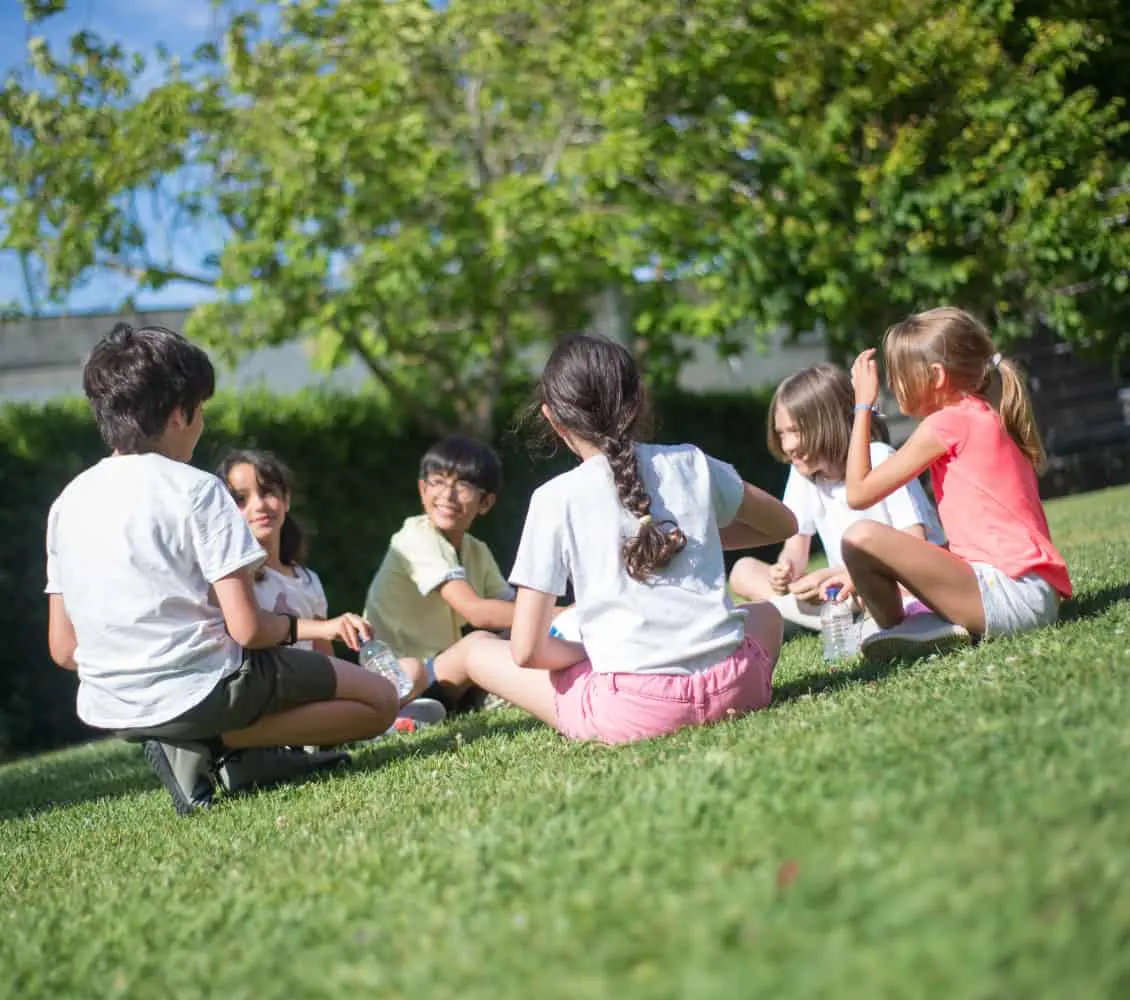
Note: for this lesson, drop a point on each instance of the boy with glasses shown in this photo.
(436, 578)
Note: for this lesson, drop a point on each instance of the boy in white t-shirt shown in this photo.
(151, 600)
(810, 419)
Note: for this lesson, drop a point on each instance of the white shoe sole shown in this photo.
(893, 645)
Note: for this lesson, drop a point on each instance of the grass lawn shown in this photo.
(956, 828)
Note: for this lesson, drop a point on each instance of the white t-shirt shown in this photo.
(133, 545)
(679, 622)
(821, 507)
(300, 594)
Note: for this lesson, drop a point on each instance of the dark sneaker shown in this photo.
(262, 767)
(185, 769)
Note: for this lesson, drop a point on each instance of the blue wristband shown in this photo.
(860, 407)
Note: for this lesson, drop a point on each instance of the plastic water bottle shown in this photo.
(837, 625)
(376, 657)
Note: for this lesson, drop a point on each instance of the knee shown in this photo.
(765, 625)
(859, 537)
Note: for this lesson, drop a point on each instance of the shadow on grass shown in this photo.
(1095, 604)
(69, 778)
(458, 733)
(833, 680)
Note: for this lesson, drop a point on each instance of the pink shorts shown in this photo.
(622, 708)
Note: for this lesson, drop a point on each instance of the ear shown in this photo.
(486, 502)
(938, 377)
(422, 488)
(179, 419)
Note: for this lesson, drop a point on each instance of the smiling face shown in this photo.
(263, 507)
(792, 444)
(452, 504)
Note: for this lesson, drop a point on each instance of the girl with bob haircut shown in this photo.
(978, 437)
(810, 422)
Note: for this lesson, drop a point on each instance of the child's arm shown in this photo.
(761, 520)
(795, 555)
(867, 486)
(254, 628)
(480, 612)
(61, 640)
(531, 645)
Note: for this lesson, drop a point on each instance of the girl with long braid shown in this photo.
(639, 530)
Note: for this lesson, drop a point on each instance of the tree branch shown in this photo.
(400, 396)
(163, 273)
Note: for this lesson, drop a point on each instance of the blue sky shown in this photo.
(139, 24)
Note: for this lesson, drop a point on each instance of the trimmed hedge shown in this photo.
(356, 482)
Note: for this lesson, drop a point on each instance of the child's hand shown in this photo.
(780, 576)
(349, 628)
(839, 579)
(865, 378)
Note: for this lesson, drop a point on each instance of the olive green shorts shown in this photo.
(268, 681)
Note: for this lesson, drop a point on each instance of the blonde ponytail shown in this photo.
(1016, 414)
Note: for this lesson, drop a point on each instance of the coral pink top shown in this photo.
(988, 498)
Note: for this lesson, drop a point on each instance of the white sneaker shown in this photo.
(423, 711)
(915, 636)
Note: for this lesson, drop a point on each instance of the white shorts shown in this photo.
(1015, 605)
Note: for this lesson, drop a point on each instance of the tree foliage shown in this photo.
(439, 191)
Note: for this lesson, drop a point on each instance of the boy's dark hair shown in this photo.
(464, 458)
(276, 478)
(136, 377)
(592, 387)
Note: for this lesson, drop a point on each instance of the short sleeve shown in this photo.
(798, 498)
(494, 583)
(726, 490)
(54, 584)
(430, 563)
(902, 507)
(540, 563)
(951, 426)
(220, 536)
(318, 595)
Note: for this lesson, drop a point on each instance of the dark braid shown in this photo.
(593, 389)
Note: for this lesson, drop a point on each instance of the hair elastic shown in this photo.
(646, 520)
(996, 360)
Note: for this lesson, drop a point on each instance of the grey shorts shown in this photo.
(1015, 605)
(268, 681)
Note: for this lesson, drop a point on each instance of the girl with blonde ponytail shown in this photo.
(638, 529)
(978, 436)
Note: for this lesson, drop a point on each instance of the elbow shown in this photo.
(244, 633)
(522, 657)
(855, 499)
(64, 658)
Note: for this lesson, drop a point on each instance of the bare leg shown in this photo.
(485, 659)
(750, 578)
(880, 558)
(365, 706)
(418, 674)
(764, 624)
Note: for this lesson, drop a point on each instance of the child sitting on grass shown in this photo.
(437, 579)
(151, 595)
(978, 437)
(262, 487)
(639, 529)
(810, 420)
